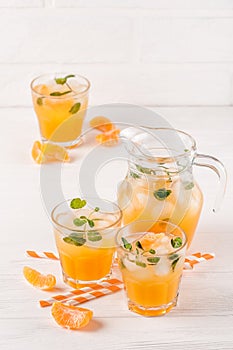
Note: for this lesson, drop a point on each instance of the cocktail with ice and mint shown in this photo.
(60, 102)
(85, 233)
(151, 258)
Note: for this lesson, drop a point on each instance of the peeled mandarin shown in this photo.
(71, 317)
(47, 152)
(102, 124)
(36, 279)
(108, 138)
(42, 89)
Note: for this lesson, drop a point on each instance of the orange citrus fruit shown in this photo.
(108, 138)
(102, 124)
(71, 317)
(47, 152)
(151, 240)
(42, 89)
(36, 279)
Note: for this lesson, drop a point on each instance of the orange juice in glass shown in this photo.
(151, 258)
(60, 102)
(85, 234)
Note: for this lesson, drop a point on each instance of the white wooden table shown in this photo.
(204, 317)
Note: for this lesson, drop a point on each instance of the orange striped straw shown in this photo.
(112, 285)
(93, 295)
(196, 258)
(43, 255)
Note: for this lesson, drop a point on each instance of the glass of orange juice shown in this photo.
(85, 234)
(60, 102)
(151, 258)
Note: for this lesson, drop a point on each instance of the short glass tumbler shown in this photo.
(151, 258)
(60, 102)
(86, 252)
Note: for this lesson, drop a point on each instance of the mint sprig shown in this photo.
(87, 220)
(62, 81)
(162, 194)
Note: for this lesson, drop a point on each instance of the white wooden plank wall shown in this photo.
(150, 52)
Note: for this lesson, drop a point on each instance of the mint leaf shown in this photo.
(176, 242)
(77, 203)
(140, 263)
(162, 194)
(154, 260)
(58, 93)
(143, 170)
(173, 265)
(121, 264)
(134, 175)
(79, 222)
(75, 108)
(189, 185)
(94, 236)
(75, 239)
(90, 222)
(173, 256)
(127, 245)
(138, 244)
(62, 81)
(39, 101)
(152, 251)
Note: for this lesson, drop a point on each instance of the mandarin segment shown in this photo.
(36, 279)
(102, 124)
(108, 138)
(42, 89)
(71, 317)
(47, 152)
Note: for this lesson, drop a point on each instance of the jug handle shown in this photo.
(217, 166)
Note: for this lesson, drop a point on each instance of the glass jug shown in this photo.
(159, 184)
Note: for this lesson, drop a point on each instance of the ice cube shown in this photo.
(124, 193)
(131, 266)
(142, 199)
(163, 267)
(165, 240)
(162, 250)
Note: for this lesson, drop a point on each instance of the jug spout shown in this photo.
(218, 167)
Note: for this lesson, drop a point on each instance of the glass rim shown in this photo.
(184, 243)
(89, 230)
(64, 96)
(193, 146)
